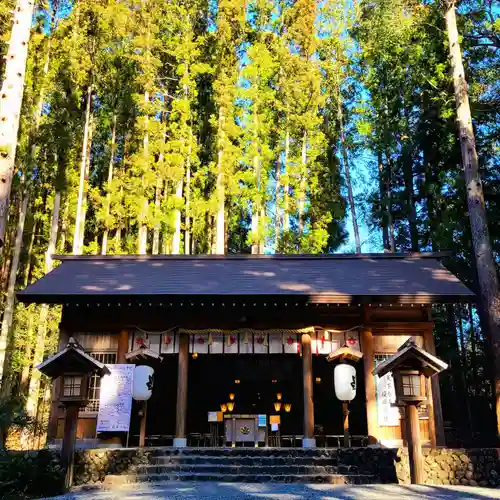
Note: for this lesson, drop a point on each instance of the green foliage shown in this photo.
(30, 474)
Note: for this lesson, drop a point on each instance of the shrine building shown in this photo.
(245, 338)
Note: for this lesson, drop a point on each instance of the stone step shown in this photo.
(257, 469)
(246, 452)
(238, 460)
(243, 478)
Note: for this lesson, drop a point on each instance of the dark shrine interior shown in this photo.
(255, 381)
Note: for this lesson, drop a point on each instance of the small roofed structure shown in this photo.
(72, 359)
(74, 366)
(345, 354)
(411, 367)
(142, 353)
(411, 356)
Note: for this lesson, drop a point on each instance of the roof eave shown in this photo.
(369, 299)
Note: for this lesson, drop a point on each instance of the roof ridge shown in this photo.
(338, 256)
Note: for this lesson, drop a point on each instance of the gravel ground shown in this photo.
(215, 491)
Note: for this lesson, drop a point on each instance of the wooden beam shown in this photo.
(379, 327)
(370, 390)
(182, 388)
(122, 347)
(307, 377)
(436, 422)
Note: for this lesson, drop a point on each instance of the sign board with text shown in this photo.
(115, 404)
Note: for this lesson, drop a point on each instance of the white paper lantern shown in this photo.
(143, 383)
(345, 382)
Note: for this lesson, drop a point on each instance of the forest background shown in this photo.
(249, 126)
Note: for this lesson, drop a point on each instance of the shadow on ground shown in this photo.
(219, 491)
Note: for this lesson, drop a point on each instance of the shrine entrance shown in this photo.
(245, 385)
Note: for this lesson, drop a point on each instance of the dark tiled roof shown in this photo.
(336, 278)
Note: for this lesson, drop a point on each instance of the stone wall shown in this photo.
(442, 466)
(471, 467)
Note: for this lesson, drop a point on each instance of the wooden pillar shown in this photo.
(122, 347)
(436, 423)
(180, 440)
(68, 444)
(308, 441)
(142, 429)
(345, 407)
(370, 390)
(414, 444)
(56, 390)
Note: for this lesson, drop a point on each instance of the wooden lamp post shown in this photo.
(74, 367)
(345, 381)
(143, 383)
(411, 366)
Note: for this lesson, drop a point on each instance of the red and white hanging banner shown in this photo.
(246, 343)
(290, 343)
(216, 343)
(275, 343)
(231, 343)
(352, 339)
(200, 343)
(324, 342)
(337, 340)
(260, 343)
(170, 343)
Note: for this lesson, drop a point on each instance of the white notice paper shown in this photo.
(115, 403)
(386, 395)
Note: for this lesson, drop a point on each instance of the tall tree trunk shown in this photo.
(34, 386)
(473, 353)
(302, 186)
(410, 196)
(262, 218)
(187, 190)
(156, 230)
(29, 253)
(11, 98)
(220, 224)
(455, 366)
(350, 193)
(256, 234)
(10, 301)
(286, 187)
(142, 242)
(277, 218)
(256, 208)
(80, 207)
(485, 263)
(7, 253)
(25, 374)
(390, 221)
(104, 247)
(383, 205)
(463, 351)
(176, 240)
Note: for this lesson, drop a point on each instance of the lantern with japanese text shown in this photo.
(345, 382)
(143, 383)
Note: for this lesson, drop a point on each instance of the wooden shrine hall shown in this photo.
(239, 344)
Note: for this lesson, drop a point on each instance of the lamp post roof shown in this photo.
(410, 355)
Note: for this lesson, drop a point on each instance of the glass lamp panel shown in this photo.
(416, 385)
(407, 385)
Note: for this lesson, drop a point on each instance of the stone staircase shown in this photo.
(248, 465)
